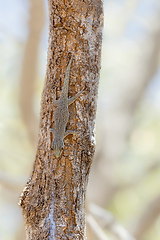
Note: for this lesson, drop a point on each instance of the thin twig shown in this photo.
(107, 221)
(96, 228)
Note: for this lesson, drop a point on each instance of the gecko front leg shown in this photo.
(72, 99)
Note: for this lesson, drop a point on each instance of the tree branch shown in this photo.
(96, 228)
(106, 220)
(147, 219)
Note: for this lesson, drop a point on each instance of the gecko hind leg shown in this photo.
(68, 132)
(72, 99)
(55, 103)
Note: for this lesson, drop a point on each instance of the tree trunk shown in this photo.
(53, 200)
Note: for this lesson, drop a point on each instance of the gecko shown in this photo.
(61, 115)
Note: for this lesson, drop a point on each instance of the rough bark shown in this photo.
(53, 200)
(29, 69)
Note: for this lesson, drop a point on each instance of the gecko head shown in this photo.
(57, 146)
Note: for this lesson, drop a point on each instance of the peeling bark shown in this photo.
(53, 200)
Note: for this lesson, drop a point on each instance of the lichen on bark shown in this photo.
(53, 201)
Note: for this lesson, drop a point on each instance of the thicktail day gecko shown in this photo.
(61, 115)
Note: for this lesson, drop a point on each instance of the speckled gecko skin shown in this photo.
(61, 115)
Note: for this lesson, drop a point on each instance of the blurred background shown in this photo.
(123, 199)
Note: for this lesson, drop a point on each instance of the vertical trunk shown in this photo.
(53, 200)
